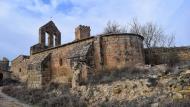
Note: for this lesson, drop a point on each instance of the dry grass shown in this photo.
(131, 73)
(47, 97)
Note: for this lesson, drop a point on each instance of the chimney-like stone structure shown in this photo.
(82, 32)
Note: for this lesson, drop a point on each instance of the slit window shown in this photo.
(20, 70)
(60, 61)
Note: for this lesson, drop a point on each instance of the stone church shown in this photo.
(76, 61)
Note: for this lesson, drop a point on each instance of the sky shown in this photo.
(20, 19)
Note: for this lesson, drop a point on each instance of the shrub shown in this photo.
(173, 59)
(176, 103)
(63, 101)
(46, 97)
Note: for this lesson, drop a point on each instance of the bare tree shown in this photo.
(135, 27)
(170, 41)
(153, 34)
(113, 27)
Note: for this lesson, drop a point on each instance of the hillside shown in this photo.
(142, 86)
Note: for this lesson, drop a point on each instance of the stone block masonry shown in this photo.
(163, 55)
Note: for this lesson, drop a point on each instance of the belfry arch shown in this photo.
(54, 35)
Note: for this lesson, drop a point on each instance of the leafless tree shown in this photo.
(113, 27)
(135, 27)
(153, 34)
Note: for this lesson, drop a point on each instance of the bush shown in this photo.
(176, 103)
(131, 73)
(8, 81)
(173, 59)
(47, 96)
(63, 101)
(24, 94)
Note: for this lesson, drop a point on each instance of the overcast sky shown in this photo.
(20, 19)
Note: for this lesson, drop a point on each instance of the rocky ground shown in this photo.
(142, 86)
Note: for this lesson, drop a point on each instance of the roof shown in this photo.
(124, 34)
(38, 59)
(24, 56)
(50, 27)
(80, 51)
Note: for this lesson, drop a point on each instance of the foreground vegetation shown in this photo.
(54, 95)
(142, 86)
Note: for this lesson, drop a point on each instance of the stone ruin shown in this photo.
(79, 61)
(4, 68)
(76, 62)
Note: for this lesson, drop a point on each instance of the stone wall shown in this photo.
(60, 63)
(4, 75)
(4, 69)
(35, 79)
(121, 50)
(163, 55)
(4, 64)
(19, 68)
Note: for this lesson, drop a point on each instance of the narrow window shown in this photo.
(20, 70)
(60, 62)
(54, 40)
(46, 39)
(1, 76)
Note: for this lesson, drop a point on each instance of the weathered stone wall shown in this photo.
(60, 63)
(4, 69)
(122, 50)
(163, 55)
(35, 79)
(19, 68)
(5, 75)
(4, 64)
(39, 71)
